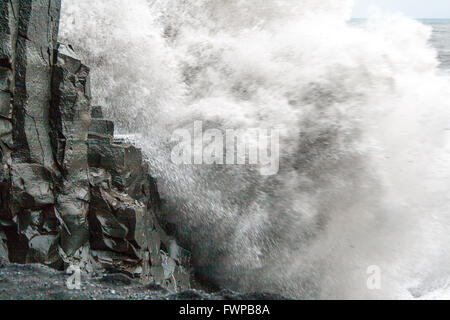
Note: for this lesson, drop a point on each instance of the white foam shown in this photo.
(365, 160)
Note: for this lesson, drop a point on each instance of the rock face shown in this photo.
(69, 192)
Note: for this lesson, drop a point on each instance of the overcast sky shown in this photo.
(412, 8)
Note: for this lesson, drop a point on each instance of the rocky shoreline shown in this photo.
(70, 192)
(38, 282)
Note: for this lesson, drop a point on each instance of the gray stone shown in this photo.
(43, 249)
(97, 112)
(123, 162)
(69, 192)
(37, 37)
(70, 119)
(102, 127)
(3, 246)
(116, 221)
(8, 38)
(32, 187)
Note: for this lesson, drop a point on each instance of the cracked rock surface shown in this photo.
(70, 193)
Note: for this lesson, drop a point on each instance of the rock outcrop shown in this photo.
(70, 193)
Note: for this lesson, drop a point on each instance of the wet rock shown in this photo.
(122, 161)
(71, 193)
(3, 247)
(117, 279)
(71, 119)
(31, 187)
(102, 127)
(125, 237)
(43, 249)
(37, 30)
(35, 282)
(28, 31)
(8, 38)
(97, 112)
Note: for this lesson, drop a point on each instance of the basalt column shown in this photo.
(28, 37)
(71, 193)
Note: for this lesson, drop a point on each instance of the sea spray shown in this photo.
(364, 149)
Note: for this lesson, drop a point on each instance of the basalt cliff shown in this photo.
(70, 192)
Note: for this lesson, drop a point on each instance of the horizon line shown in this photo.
(447, 18)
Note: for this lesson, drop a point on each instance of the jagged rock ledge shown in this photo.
(69, 192)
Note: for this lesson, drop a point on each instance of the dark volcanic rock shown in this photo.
(36, 282)
(102, 127)
(96, 112)
(37, 30)
(27, 41)
(70, 193)
(125, 235)
(71, 118)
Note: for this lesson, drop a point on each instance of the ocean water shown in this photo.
(441, 39)
(364, 111)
